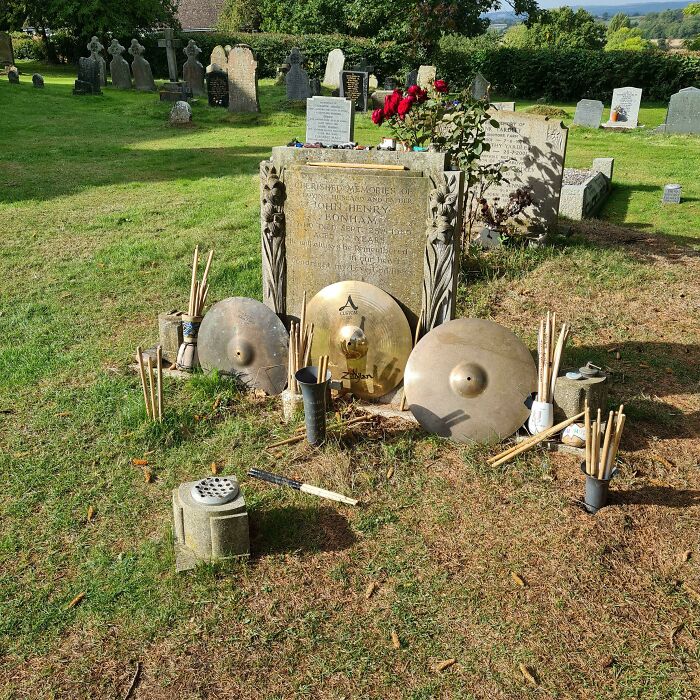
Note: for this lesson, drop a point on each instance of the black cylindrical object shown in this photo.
(314, 395)
(596, 491)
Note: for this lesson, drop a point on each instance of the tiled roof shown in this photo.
(199, 14)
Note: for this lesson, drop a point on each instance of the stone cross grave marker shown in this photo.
(354, 85)
(141, 68)
(297, 78)
(626, 101)
(683, 115)
(170, 43)
(334, 64)
(94, 47)
(193, 70)
(588, 113)
(217, 88)
(426, 76)
(329, 120)
(242, 80)
(7, 55)
(118, 66)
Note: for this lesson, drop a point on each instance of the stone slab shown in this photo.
(335, 63)
(354, 85)
(329, 120)
(217, 59)
(588, 113)
(683, 115)
(297, 79)
(582, 201)
(627, 101)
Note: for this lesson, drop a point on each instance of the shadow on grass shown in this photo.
(663, 496)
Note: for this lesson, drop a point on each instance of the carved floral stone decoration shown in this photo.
(272, 197)
(439, 260)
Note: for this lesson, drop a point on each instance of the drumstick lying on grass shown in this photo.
(300, 486)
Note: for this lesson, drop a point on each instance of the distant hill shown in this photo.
(638, 8)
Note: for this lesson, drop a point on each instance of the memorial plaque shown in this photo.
(533, 148)
(684, 112)
(354, 85)
(329, 120)
(588, 113)
(626, 102)
(217, 88)
(7, 56)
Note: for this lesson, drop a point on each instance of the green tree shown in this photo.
(626, 39)
(240, 16)
(692, 9)
(561, 28)
(619, 21)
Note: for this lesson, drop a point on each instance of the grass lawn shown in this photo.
(100, 207)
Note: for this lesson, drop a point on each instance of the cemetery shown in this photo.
(325, 379)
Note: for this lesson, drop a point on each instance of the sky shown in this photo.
(559, 3)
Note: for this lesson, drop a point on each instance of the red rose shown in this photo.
(391, 103)
(378, 116)
(421, 95)
(440, 86)
(414, 90)
(405, 105)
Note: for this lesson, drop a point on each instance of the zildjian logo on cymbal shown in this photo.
(353, 375)
(349, 303)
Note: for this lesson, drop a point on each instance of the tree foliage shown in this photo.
(619, 21)
(670, 24)
(627, 39)
(562, 28)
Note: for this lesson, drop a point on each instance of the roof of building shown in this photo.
(199, 14)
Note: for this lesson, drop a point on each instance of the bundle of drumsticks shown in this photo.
(600, 462)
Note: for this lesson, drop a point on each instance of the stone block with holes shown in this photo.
(210, 521)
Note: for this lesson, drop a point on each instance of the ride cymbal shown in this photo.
(365, 334)
(242, 337)
(469, 379)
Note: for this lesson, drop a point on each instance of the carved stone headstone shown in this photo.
(314, 86)
(13, 75)
(38, 80)
(329, 120)
(334, 64)
(7, 54)
(426, 76)
(217, 60)
(217, 88)
(533, 149)
(480, 88)
(396, 229)
(118, 67)
(95, 49)
(242, 80)
(412, 78)
(297, 78)
(588, 113)
(625, 102)
(88, 82)
(141, 68)
(683, 115)
(354, 85)
(180, 114)
(193, 70)
(175, 90)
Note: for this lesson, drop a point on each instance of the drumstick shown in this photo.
(151, 388)
(159, 375)
(606, 446)
(587, 431)
(301, 486)
(194, 280)
(142, 373)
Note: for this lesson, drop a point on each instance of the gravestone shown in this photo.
(683, 115)
(588, 113)
(141, 68)
(218, 60)
(242, 80)
(626, 101)
(354, 85)
(672, 194)
(412, 78)
(38, 80)
(335, 63)
(118, 67)
(314, 87)
(180, 114)
(95, 48)
(13, 75)
(7, 54)
(297, 78)
(504, 106)
(88, 82)
(426, 76)
(175, 90)
(329, 120)
(480, 88)
(193, 70)
(217, 88)
(396, 229)
(533, 148)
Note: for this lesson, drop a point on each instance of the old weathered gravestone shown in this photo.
(354, 85)
(683, 115)
(480, 88)
(334, 64)
(297, 78)
(7, 54)
(396, 229)
(329, 120)
(533, 148)
(242, 80)
(193, 70)
(412, 78)
(141, 68)
(38, 80)
(118, 67)
(217, 88)
(95, 48)
(181, 113)
(88, 82)
(13, 75)
(672, 194)
(625, 103)
(175, 90)
(588, 113)
(217, 60)
(426, 76)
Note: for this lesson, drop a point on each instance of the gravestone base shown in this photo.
(82, 87)
(174, 92)
(614, 126)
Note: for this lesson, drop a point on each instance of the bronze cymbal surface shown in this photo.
(469, 380)
(364, 332)
(243, 337)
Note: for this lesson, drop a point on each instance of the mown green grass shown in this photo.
(101, 205)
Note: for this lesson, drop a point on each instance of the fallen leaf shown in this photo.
(669, 370)
(662, 460)
(147, 476)
(395, 641)
(65, 414)
(607, 662)
(75, 600)
(139, 462)
(90, 514)
(390, 472)
(528, 674)
(214, 468)
(369, 591)
(644, 365)
(674, 632)
(445, 664)
(216, 404)
(686, 555)
(518, 580)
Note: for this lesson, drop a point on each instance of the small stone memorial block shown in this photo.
(118, 67)
(533, 149)
(297, 79)
(88, 82)
(684, 112)
(141, 68)
(426, 76)
(396, 229)
(672, 194)
(217, 60)
(329, 120)
(217, 88)
(335, 63)
(480, 88)
(193, 70)
(38, 80)
(625, 103)
(354, 85)
(7, 55)
(13, 75)
(180, 114)
(242, 80)
(588, 113)
(95, 49)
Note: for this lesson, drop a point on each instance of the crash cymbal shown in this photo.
(243, 337)
(469, 379)
(365, 334)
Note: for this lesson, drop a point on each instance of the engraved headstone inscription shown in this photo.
(141, 68)
(329, 120)
(217, 88)
(588, 113)
(624, 108)
(354, 85)
(242, 80)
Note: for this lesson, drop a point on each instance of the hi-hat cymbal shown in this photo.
(365, 334)
(243, 337)
(469, 379)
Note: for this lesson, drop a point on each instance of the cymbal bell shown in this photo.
(469, 380)
(364, 332)
(243, 337)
